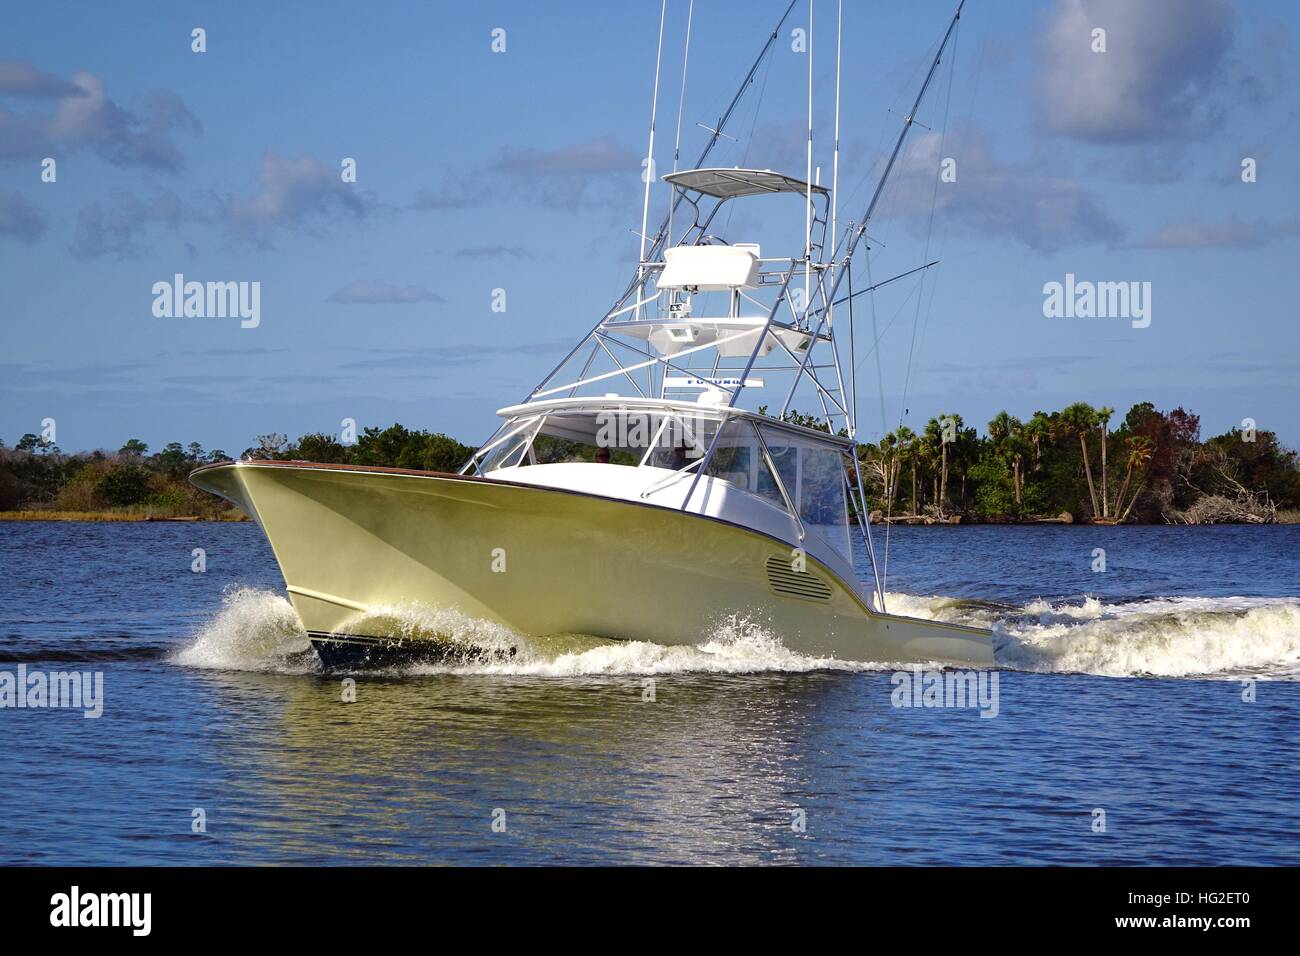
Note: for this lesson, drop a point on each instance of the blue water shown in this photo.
(1121, 691)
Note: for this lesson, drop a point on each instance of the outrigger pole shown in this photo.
(716, 134)
(638, 278)
(858, 233)
(849, 244)
(852, 238)
(829, 300)
(649, 173)
(661, 236)
(835, 206)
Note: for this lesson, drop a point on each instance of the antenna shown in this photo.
(808, 207)
(835, 202)
(681, 105)
(861, 230)
(638, 277)
(648, 175)
(717, 133)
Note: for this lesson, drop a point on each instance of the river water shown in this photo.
(1145, 714)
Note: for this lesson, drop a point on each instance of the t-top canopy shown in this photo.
(729, 183)
(623, 404)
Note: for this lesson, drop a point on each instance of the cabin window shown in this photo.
(822, 504)
(510, 451)
(736, 460)
(786, 459)
(678, 441)
(616, 436)
(813, 476)
(733, 464)
(604, 437)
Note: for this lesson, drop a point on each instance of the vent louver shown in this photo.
(787, 582)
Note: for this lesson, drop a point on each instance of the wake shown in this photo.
(1221, 638)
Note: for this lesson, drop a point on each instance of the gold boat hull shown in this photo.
(354, 541)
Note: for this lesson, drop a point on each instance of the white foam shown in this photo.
(255, 630)
(1228, 637)
(1167, 637)
(734, 646)
(412, 621)
(258, 630)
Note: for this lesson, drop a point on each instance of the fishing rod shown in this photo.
(882, 284)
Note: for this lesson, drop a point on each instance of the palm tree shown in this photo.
(1007, 435)
(1140, 450)
(905, 441)
(885, 467)
(935, 450)
(929, 449)
(1038, 430)
(1103, 417)
(966, 455)
(1079, 419)
(1017, 447)
(937, 430)
(902, 449)
(999, 428)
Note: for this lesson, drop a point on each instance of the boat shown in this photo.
(638, 492)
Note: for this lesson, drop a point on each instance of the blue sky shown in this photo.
(520, 170)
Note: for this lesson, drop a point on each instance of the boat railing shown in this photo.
(665, 481)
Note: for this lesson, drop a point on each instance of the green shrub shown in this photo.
(124, 486)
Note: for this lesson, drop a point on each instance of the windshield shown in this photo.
(615, 436)
(811, 473)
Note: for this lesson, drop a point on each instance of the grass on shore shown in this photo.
(119, 514)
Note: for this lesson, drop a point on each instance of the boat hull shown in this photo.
(354, 543)
(354, 651)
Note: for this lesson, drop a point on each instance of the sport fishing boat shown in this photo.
(635, 494)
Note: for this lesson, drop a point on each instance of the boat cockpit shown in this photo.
(763, 472)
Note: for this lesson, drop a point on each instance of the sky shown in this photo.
(520, 169)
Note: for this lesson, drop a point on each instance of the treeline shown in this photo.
(38, 476)
(1080, 462)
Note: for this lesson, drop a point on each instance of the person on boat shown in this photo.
(602, 456)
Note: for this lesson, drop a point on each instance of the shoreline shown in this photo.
(101, 517)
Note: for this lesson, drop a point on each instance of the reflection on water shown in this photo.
(214, 702)
(679, 777)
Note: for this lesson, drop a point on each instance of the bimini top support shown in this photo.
(730, 183)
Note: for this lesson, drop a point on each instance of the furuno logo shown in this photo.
(1098, 300)
(134, 910)
(179, 299)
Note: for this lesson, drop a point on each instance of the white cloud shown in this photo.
(85, 117)
(300, 192)
(1157, 79)
(1036, 203)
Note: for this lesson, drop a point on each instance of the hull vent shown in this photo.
(787, 582)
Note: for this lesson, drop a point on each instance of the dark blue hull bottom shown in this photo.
(349, 652)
